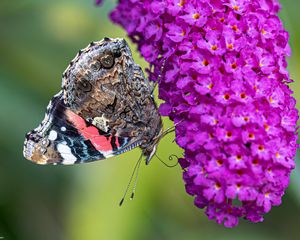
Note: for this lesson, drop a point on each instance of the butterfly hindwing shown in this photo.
(105, 108)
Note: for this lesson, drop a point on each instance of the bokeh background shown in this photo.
(38, 38)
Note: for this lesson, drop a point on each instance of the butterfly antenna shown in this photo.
(171, 158)
(130, 180)
(136, 179)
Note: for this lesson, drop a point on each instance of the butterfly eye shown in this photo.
(84, 85)
(107, 61)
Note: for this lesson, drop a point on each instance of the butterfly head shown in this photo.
(150, 148)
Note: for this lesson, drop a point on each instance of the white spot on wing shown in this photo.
(28, 149)
(63, 129)
(66, 153)
(52, 135)
(101, 123)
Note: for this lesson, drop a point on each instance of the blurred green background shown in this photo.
(37, 40)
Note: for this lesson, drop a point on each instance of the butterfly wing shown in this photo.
(105, 108)
(64, 137)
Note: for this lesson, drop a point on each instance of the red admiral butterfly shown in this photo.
(105, 108)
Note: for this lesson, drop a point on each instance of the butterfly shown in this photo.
(105, 108)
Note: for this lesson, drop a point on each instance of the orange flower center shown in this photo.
(196, 16)
(220, 163)
(218, 186)
(181, 3)
(243, 95)
(235, 28)
(230, 46)
(227, 96)
(214, 47)
(205, 63)
(267, 127)
(251, 135)
(267, 194)
(235, 8)
(229, 134)
(261, 148)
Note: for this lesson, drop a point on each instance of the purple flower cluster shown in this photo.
(225, 81)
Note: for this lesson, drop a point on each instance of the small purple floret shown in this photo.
(98, 2)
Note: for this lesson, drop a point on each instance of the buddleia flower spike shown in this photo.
(226, 79)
